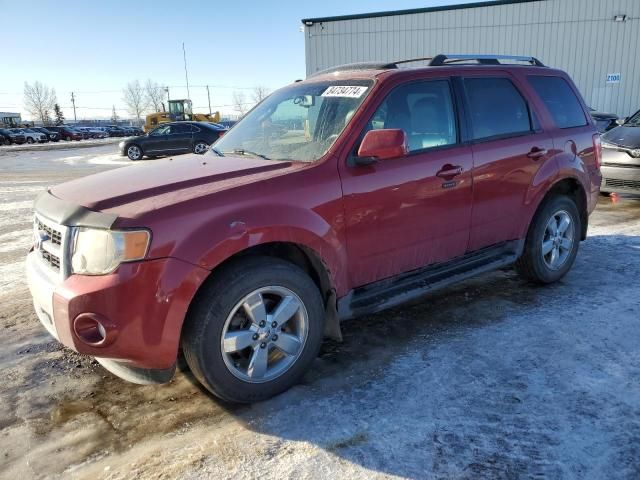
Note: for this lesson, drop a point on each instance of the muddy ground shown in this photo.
(493, 378)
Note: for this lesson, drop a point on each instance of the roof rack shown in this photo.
(357, 66)
(442, 59)
(437, 61)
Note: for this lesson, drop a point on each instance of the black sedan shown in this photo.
(172, 138)
(12, 137)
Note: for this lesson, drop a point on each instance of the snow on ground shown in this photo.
(492, 378)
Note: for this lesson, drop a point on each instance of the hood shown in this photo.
(628, 137)
(147, 186)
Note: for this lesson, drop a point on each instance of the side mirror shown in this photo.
(621, 121)
(382, 145)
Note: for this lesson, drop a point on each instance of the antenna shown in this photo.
(186, 74)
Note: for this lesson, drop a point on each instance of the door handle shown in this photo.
(537, 152)
(449, 171)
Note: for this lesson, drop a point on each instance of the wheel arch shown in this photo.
(300, 255)
(573, 188)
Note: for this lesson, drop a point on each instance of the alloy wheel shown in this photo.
(134, 153)
(264, 335)
(200, 148)
(558, 239)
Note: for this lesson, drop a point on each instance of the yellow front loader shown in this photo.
(179, 110)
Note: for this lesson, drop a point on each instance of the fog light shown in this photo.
(93, 329)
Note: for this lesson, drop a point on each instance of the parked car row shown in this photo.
(68, 133)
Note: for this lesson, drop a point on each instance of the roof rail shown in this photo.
(437, 61)
(443, 59)
(356, 66)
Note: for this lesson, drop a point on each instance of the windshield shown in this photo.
(299, 122)
(633, 121)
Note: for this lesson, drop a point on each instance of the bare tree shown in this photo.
(155, 95)
(239, 102)
(39, 100)
(260, 92)
(135, 99)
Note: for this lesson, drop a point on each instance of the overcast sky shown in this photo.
(94, 48)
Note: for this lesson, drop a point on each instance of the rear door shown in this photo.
(509, 147)
(411, 211)
(180, 137)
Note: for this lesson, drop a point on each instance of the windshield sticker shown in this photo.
(344, 91)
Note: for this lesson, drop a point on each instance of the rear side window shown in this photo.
(496, 107)
(560, 99)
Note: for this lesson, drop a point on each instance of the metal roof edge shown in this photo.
(391, 13)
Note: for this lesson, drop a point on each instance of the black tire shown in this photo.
(6, 141)
(68, 138)
(29, 140)
(204, 326)
(531, 265)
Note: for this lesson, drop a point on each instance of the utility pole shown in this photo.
(73, 101)
(166, 89)
(209, 98)
(186, 74)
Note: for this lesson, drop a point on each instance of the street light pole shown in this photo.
(73, 102)
(186, 74)
(209, 98)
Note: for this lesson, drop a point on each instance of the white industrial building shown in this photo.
(596, 41)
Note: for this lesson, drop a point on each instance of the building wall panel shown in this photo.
(578, 36)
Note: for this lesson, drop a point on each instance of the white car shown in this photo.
(31, 135)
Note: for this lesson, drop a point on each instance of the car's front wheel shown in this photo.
(29, 140)
(200, 148)
(552, 242)
(134, 152)
(254, 329)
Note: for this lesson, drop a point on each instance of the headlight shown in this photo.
(99, 252)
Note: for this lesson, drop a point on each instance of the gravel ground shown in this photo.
(493, 378)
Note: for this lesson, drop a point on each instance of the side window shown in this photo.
(424, 110)
(560, 99)
(496, 108)
(178, 128)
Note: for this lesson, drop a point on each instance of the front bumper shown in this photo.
(620, 179)
(141, 307)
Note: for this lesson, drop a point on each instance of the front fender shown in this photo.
(214, 242)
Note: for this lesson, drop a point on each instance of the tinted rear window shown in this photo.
(497, 108)
(561, 101)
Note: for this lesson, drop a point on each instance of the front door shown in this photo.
(412, 211)
(180, 138)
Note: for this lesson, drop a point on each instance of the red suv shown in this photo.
(350, 192)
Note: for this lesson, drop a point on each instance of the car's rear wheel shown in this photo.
(134, 152)
(254, 329)
(552, 242)
(200, 147)
(67, 138)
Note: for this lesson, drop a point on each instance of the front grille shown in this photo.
(51, 259)
(619, 165)
(617, 183)
(53, 234)
(51, 243)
